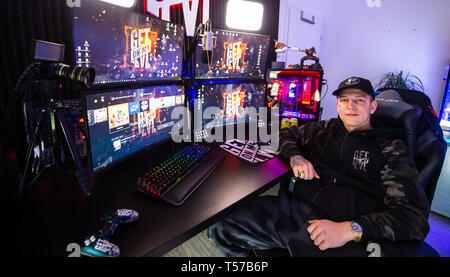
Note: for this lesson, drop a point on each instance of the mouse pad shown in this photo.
(248, 151)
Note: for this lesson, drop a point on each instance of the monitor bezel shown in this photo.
(100, 86)
(190, 100)
(120, 161)
(246, 79)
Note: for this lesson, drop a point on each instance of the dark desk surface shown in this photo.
(48, 225)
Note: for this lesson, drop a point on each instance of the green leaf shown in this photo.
(399, 81)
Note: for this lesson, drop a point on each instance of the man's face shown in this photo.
(354, 108)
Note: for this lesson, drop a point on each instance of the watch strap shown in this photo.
(356, 230)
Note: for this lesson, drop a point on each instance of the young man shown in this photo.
(356, 183)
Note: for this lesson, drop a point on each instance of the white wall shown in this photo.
(356, 40)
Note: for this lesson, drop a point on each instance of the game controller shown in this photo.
(114, 219)
(99, 245)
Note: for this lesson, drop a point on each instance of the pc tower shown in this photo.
(297, 94)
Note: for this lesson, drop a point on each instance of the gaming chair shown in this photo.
(423, 135)
(411, 110)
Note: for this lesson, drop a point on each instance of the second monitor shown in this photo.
(122, 122)
(235, 55)
(219, 104)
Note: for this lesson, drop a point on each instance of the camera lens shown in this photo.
(83, 75)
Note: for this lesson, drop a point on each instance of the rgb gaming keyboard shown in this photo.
(164, 178)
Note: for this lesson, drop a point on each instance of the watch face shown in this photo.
(356, 227)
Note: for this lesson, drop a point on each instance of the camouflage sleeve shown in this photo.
(293, 139)
(407, 208)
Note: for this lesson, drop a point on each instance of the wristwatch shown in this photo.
(356, 230)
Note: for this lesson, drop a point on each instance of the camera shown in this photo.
(50, 55)
(82, 75)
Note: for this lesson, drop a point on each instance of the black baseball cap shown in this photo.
(358, 83)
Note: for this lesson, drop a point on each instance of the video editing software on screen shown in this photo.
(122, 122)
(124, 46)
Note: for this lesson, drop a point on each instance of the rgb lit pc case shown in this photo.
(444, 116)
(297, 93)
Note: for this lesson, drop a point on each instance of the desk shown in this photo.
(59, 215)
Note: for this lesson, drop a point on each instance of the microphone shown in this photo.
(206, 56)
(207, 44)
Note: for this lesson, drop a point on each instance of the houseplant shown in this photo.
(392, 80)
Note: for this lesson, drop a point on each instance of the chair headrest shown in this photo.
(391, 104)
(394, 112)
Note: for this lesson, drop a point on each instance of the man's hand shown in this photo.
(302, 168)
(328, 234)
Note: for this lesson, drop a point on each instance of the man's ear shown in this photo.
(373, 106)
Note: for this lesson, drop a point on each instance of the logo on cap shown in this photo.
(352, 81)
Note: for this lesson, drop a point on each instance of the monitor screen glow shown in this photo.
(123, 46)
(122, 122)
(235, 55)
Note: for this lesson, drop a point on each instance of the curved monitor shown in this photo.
(122, 122)
(123, 46)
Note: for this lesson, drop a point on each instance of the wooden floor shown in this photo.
(201, 246)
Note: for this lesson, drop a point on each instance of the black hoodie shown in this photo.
(365, 176)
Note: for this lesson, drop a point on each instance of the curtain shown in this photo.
(22, 21)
